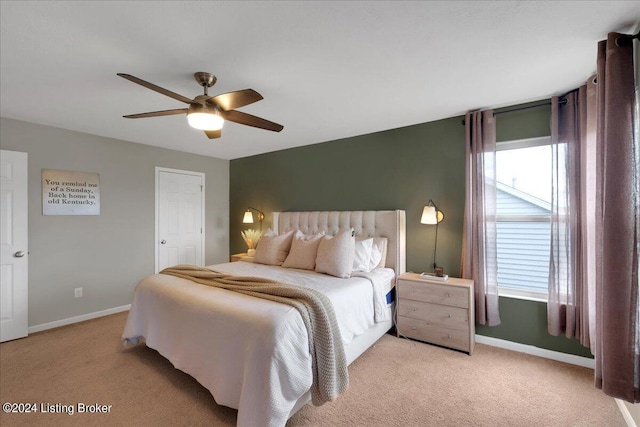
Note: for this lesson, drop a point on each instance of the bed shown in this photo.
(253, 354)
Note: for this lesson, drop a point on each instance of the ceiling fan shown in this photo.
(209, 113)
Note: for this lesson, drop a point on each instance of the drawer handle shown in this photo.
(413, 328)
(414, 309)
(449, 315)
(449, 336)
(448, 295)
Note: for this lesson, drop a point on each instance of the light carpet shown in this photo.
(395, 383)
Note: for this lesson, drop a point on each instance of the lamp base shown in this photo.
(251, 252)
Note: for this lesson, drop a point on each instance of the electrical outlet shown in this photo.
(77, 292)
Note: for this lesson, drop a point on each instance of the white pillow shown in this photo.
(362, 256)
(377, 254)
(376, 257)
(335, 254)
(273, 250)
(269, 233)
(303, 251)
(381, 244)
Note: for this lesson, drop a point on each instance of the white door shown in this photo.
(179, 218)
(14, 290)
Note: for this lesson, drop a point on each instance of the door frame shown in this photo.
(160, 169)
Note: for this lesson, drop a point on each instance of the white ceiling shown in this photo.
(327, 70)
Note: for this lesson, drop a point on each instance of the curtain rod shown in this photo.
(561, 102)
(544, 104)
(627, 38)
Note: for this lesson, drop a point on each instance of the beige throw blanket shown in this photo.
(329, 363)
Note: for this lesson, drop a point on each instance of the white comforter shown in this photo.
(251, 354)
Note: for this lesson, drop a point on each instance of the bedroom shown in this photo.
(282, 180)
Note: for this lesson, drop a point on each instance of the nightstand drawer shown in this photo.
(421, 330)
(434, 293)
(433, 314)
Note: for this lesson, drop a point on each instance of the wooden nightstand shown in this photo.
(437, 312)
(241, 257)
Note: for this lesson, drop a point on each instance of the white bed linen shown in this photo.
(350, 298)
(251, 354)
(383, 279)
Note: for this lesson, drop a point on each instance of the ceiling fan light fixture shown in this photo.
(208, 113)
(205, 121)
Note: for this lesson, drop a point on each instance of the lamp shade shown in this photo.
(248, 217)
(429, 215)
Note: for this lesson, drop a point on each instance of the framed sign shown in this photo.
(70, 193)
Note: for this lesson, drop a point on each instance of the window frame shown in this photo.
(506, 291)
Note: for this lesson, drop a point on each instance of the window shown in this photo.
(523, 196)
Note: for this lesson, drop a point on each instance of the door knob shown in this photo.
(162, 242)
(19, 254)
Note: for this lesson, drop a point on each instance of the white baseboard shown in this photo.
(626, 414)
(562, 357)
(536, 351)
(76, 319)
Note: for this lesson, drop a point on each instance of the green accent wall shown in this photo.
(525, 322)
(396, 169)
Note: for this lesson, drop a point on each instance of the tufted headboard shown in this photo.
(389, 224)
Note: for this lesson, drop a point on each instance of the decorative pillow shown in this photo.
(362, 255)
(303, 251)
(273, 250)
(335, 254)
(381, 244)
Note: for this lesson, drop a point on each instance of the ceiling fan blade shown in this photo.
(237, 99)
(156, 88)
(157, 113)
(213, 133)
(249, 120)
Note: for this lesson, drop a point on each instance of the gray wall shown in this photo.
(107, 254)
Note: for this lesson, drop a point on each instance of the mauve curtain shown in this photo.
(617, 355)
(479, 253)
(570, 308)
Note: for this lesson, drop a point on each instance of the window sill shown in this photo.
(522, 294)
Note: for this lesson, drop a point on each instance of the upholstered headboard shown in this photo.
(389, 224)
